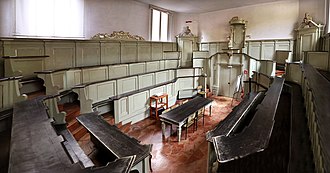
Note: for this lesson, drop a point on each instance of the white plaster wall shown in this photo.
(265, 21)
(6, 18)
(106, 16)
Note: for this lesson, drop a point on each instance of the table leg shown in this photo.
(179, 133)
(163, 129)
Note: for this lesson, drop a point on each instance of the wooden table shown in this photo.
(179, 115)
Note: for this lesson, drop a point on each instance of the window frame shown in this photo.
(161, 10)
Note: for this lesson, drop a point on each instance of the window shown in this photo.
(159, 25)
(49, 18)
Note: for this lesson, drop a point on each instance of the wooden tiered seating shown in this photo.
(36, 147)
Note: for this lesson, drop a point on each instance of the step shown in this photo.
(73, 125)
(79, 132)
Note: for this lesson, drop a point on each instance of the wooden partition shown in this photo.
(315, 88)
(77, 53)
(319, 60)
(131, 94)
(9, 92)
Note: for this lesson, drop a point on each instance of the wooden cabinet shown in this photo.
(158, 103)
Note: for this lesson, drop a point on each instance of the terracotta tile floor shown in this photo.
(170, 156)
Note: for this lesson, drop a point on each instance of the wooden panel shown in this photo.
(157, 51)
(2, 62)
(88, 54)
(224, 58)
(268, 50)
(117, 71)
(185, 83)
(138, 102)
(110, 53)
(73, 77)
(158, 91)
(121, 109)
(307, 42)
(254, 49)
(101, 91)
(144, 52)
(161, 65)
(94, 74)
(168, 47)
(136, 68)
(283, 45)
(224, 80)
(23, 48)
(213, 48)
(204, 47)
(152, 66)
(169, 64)
(186, 59)
(59, 79)
(171, 75)
(223, 46)
(126, 85)
(200, 54)
(128, 52)
(61, 55)
(25, 66)
(146, 80)
(318, 60)
(184, 72)
(171, 55)
(161, 77)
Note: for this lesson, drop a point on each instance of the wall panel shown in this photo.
(88, 54)
(126, 85)
(152, 66)
(61, 55)
(24, 48)
(144, 52)
(95, 74)
(117, 71)
(157, 51)
(136, 68)
(128, 52)
(146, 80)
(161, 77)
(110, 53)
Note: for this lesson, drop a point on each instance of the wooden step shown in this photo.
(79, 132)
(73, 125)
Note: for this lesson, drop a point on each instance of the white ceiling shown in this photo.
(202, 6)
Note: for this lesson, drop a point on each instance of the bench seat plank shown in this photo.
(256, 136)
(113, 139)
(238, 113)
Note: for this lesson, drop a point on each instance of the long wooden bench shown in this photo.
(316, 89)
(130, 95)
(59, 80)
(117, 144)
(248, 141)
(36, 147)
(227, 126)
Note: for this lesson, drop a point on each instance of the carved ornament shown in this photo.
(186, 32)
(117, 35)
(237, 20)
(308, 22)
